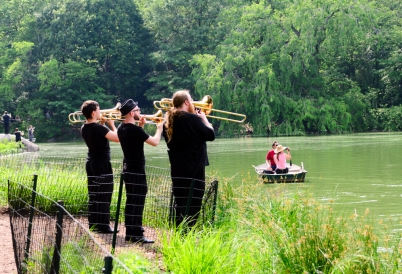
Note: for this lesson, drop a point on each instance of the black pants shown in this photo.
(281, 171)
(100, 190)
(187, 207)
(6, 128)
(136, 191)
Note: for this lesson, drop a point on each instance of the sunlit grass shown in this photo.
(281, 231)
(259, 228)
(10, 146)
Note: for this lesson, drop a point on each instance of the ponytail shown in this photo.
(179, 97)
(169, 118)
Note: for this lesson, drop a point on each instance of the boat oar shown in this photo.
(290, 162)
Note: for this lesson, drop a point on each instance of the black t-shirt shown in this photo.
(6, 118)
(94, 136)
(18, 136)
(188, 148)
(132, 138)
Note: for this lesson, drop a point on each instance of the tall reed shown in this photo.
(281, 229)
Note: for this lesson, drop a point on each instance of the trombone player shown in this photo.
(132, 138)
(98, 167)
(186, 132)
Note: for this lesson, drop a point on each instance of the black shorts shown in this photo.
(281, 171)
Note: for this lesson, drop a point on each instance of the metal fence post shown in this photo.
(116, 222)
(215, 200)
(108, 265)
(55, 268)
(31, 214)
(172, 216)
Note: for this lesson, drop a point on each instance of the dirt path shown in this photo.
(7, 261)
(7, 265)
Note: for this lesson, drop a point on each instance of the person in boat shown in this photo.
(280, 159)
(271, 165)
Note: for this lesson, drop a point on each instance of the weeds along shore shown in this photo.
(258, 229)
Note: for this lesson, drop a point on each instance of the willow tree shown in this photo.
(282, 67)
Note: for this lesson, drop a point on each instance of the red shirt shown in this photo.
(270, 157)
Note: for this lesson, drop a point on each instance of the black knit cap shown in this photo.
(127, 106)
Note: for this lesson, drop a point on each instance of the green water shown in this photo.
(355, 172)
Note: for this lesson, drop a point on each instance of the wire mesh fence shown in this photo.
(51, 243)
(148, 213)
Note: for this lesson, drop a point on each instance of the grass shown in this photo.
(10, 147)
(259, 228)
(281, 232)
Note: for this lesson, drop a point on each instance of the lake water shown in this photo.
(355, 172)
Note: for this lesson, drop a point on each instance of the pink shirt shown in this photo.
(281, 163)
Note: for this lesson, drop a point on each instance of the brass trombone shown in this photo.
(206, 106)
(155, 118)
(107, 114)
(113, 114)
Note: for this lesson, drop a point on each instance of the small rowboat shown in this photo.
(296, 174)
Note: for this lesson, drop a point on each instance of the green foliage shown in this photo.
(288, 70)
(76, 254)
(10, 146)
(181, 29)
(212, 250)
(71, 51)
(136, 263)
(259, 229)
(57, 180)
(390, 119)
(293, 67)
(277, 231)
(299, 234)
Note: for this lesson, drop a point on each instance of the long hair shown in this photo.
(179, 97)
(277, 155)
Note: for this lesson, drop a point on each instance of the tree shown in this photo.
(78, 50)
(280, 66)
(107, 35)
(181, 28)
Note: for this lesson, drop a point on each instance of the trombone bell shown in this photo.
(205, 105)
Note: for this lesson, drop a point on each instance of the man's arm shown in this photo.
(154, 140)
(112, 134)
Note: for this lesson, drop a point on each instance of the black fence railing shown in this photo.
(46, 243)
(40, 234)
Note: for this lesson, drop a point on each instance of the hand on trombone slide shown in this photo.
(145, 119)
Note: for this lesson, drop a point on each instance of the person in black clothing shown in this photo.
(186, 132)
(18, 136)
(98, 166)
(6, 121)
(132, 138)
